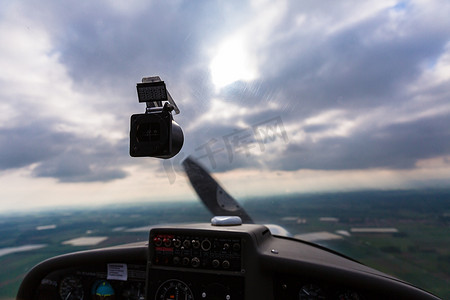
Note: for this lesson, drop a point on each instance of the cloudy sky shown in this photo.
(275, 97)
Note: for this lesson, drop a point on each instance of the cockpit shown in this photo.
(204, 261)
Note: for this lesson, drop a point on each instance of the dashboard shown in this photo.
(201, 261)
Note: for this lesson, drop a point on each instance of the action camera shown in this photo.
(155, 133)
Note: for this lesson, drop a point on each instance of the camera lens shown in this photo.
(155, 135)
(147, 132)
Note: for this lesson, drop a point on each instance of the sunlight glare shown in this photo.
(232, 63)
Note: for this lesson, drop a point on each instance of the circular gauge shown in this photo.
(133, 291)
(103, 290)
(174, 290)
(311, 291)
(71, 288)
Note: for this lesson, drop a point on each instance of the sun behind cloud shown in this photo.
(232, 63)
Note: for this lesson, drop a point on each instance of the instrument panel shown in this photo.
(193, 285)
(196, 264)
(110, 281)
(200, 261)
(196, 251)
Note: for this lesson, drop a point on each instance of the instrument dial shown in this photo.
(311, 292)
(174, 289)
(71, 288)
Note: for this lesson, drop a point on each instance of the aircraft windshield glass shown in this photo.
(329, 121)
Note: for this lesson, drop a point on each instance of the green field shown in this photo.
(419, 252)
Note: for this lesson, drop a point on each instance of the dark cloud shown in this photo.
(61, 155)
(359, 66)
(397, 146)
(86, 160)
(101, 46)
(27, 144)
(305, 70)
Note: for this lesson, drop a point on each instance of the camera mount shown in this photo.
(153, 91)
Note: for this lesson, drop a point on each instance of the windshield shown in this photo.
(328, 119)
